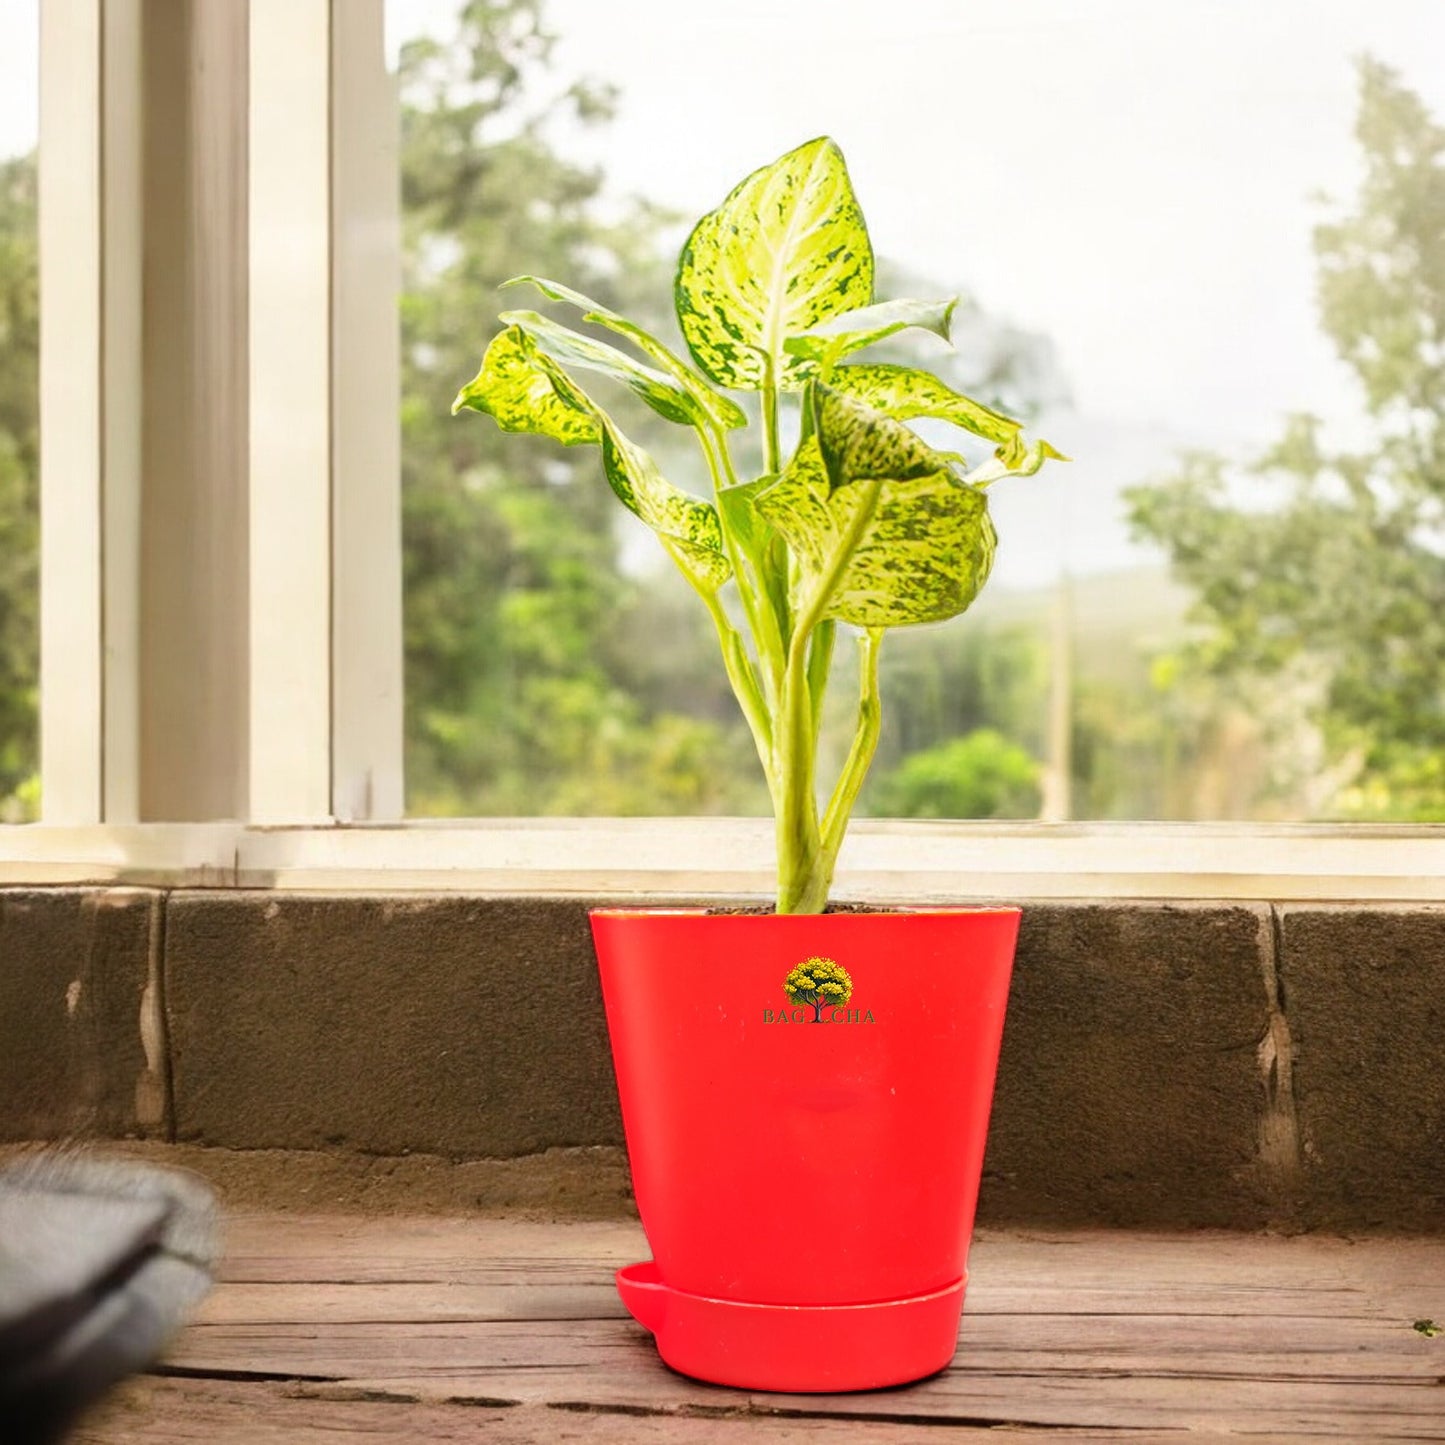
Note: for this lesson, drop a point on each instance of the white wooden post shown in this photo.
(194, 684)
(90, 399)
(221, 553)
(325, 560)
(290, 400)
(366, 733)
(122, 368)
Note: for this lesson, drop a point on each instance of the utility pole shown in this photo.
(1058, 802)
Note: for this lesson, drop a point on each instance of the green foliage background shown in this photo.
(19, 489)
(1320, 569)
(527, 680)
(547, 672)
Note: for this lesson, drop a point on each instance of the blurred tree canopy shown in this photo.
(1320, 569)
(543, 675)
(982, 774)
(520, 619)
(19, 489)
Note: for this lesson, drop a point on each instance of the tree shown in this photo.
(1328, 585)
(519, 617)
(818, 981)
(980, 775)
(527, 689)
(19, 490)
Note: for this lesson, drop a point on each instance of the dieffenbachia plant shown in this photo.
(863, 523)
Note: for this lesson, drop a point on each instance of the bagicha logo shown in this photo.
(823, 986)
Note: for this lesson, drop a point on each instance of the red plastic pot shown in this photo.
(806, 1173)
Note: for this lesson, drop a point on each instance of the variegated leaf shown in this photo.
(745, 523)
(685, 525)
(525, 390)
(922, 546)
(843, 335)
(857, 441)
(571, 348)
(522, 395)
(785, 251)
(723, 410)
(800, 504)
(904, 392)
(925, 556)
(739, 508)
(1020, 460)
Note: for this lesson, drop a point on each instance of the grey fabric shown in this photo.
(101, 1260)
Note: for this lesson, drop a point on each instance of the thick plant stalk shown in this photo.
(805, 871)
(802, 880)
(807, 850)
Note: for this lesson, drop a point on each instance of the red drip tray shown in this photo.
(795, 1348)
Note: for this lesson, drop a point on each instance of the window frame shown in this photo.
(909, 862)
(275, 213)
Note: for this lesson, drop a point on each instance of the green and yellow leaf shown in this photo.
(925, 556)
(571, 348)
(760, 544)
(787, 250)
(723, 410)
(1020, 460)
(857, 442)
(525, 390)
(904, 393)
(739, 508)
(686, 526)
(883, 530)
(522, 395)
(853, 330)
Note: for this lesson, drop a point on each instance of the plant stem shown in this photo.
(820, 664)
(860, 755)
(772, 450)
(805, 869)
(744, 684)
(801, 887)
(756, 606)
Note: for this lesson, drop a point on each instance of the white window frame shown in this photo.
(288, 703)
(316, 788)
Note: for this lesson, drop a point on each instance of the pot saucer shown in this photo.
(795, 1348)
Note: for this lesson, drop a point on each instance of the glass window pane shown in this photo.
(1177, 232)
(19, 413)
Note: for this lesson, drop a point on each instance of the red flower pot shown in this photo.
(806, 1167)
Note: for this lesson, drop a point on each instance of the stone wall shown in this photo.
(1231, 1064)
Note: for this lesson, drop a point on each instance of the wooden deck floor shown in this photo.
(426, 1330)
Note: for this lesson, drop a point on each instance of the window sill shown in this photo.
(687, 857)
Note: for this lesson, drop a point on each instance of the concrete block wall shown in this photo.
(1226, 1064)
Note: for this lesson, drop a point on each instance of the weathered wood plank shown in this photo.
(1270, 1408)
(1201, 1271)
(1357, 1396)
(583, 1292)
(1360, 1413)
(300, 1304)
(1077, 1336)
(1201, 1347)
(223, 1412)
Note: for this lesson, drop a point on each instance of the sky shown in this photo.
(19, 73)
(1136, 180)
(1131, 178)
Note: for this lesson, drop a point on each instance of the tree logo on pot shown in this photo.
(818, 983)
